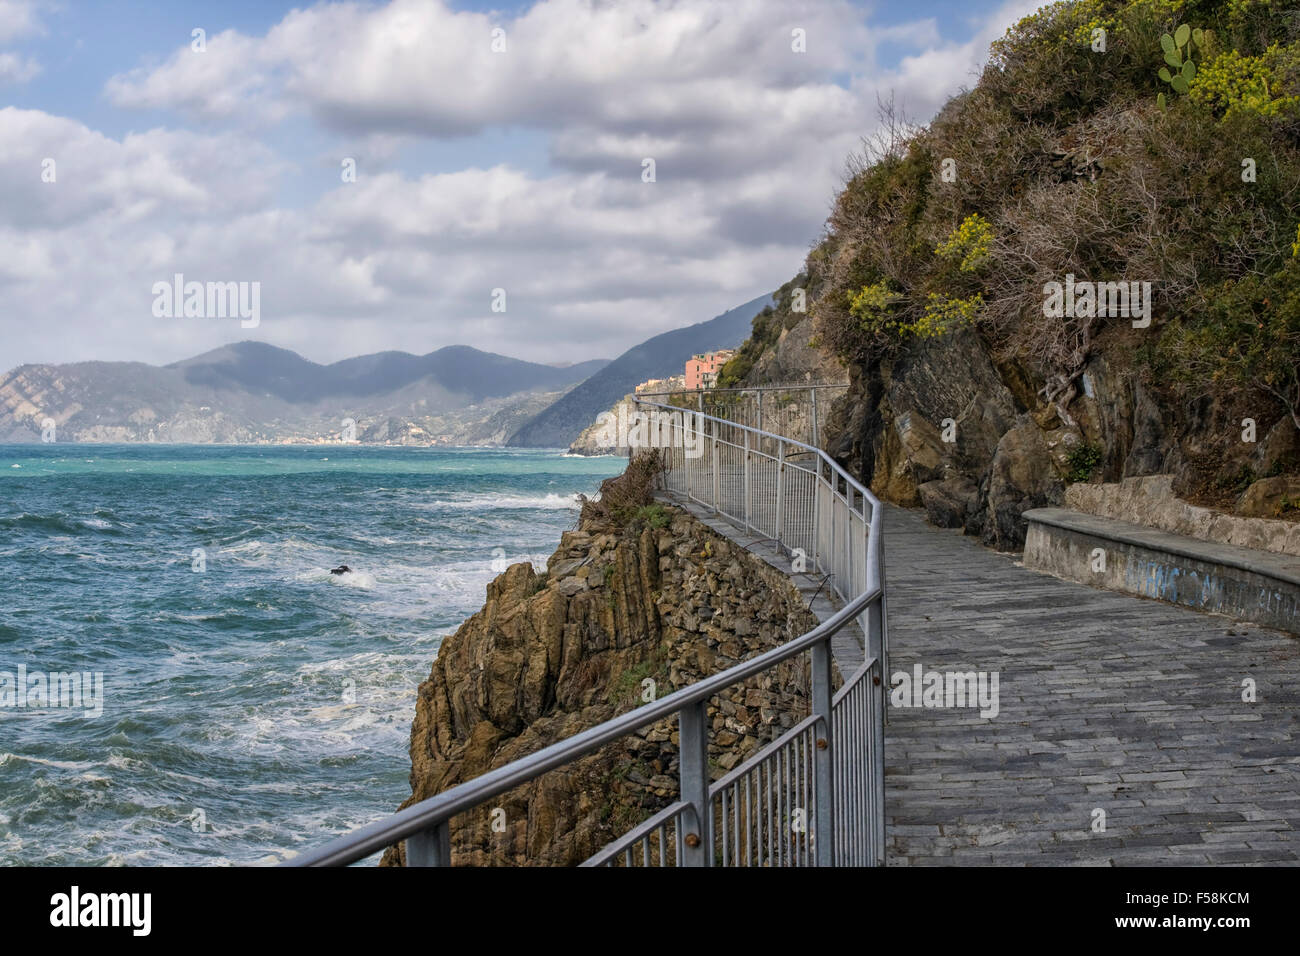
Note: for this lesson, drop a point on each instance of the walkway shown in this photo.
(1108, 702)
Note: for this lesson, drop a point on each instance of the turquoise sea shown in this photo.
(253, 703)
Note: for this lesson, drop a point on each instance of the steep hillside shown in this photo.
(1086, 268)
(659, 357)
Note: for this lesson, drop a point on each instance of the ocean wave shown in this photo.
(79, 765)
(504, 502)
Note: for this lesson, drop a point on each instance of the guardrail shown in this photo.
(815, 795)
(793, 411)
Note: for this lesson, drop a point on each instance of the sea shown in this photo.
(250, 704)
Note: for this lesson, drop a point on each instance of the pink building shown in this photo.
(702, 369)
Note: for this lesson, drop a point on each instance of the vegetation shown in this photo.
(1082, 461)
(627, 497)
(768, 325)
(1173, 156)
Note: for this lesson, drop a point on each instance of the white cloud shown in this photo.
(749, 140)
(18, 18)
(17, 69)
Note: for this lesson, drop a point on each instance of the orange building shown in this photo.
(702, 369)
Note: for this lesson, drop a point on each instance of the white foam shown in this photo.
(354, 579)
(494, 502)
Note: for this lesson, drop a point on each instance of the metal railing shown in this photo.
(797, 412)
(813, 796)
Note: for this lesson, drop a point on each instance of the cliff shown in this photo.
(980, 386)
(639, 600)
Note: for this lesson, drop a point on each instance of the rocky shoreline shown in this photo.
(632, 606)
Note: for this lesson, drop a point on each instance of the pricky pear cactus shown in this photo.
(1180, 70)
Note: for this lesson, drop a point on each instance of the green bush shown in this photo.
(1082, 461)
(1063, 165)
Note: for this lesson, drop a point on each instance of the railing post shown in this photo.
(693, 761)
(817, 511)
(746, 474)
(688, 463)
(717, 475)
(823, 755)
(431, 847)
(780, 489)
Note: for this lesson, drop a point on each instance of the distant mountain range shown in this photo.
(559, 424)
(251, 392)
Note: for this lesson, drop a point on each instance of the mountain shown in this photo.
(459, 369)
(560, 424)
(251, 391)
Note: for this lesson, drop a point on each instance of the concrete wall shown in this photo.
(1250, 586)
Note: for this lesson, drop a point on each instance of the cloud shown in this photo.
(17, 69)
(749, 140)
(18, 18)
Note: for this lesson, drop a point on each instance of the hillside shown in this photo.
(255, 392)
(1085, 269)
(560, 424)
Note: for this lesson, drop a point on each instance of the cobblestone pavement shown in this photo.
(1107, 703)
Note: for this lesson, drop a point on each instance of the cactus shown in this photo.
(1180, 70)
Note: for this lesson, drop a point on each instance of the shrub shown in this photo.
(1082, 461)
(1234, 83)
(624, 496)
(968, 244)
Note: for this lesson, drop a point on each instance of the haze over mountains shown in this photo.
(252, 392)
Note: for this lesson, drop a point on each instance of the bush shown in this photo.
(1081, 462)
(1064, 165)
(625, 496)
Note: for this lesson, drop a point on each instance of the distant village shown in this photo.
(701, 372)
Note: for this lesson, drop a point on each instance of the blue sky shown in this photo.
(519, 171)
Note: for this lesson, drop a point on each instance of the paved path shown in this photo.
(1107, 702)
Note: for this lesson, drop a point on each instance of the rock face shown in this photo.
(1151, 501)
(594, 440)
(947, 427)
(622, 615)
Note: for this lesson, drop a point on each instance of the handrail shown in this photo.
(376, 836)
(425, 825)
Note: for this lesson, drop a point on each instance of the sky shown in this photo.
(413, 174)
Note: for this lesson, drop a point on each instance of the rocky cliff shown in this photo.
(948, 427)
(945, 281)
(639, 600)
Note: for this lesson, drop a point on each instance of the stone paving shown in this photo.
(1107, 703)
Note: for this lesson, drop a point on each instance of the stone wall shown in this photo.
(662, 599)
(1151, 501)
(1106, 553)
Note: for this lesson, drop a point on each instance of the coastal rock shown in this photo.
(1270, 497)
(548, 657)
